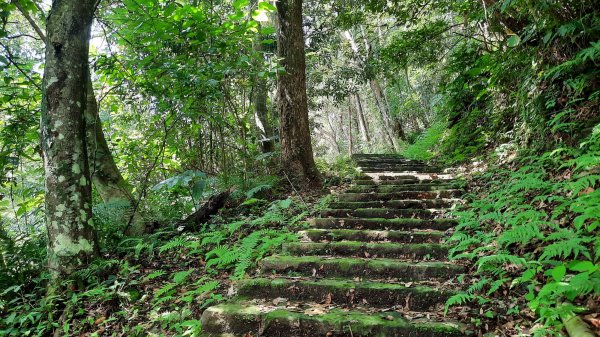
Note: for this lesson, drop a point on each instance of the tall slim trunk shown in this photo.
(259, 102)
(106, 177)
(362, 123)
(422, 101)
(385, 115)
(350, 140)
(71, 235)
(297, 160)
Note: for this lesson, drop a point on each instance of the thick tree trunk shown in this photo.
(106, 177)
(385, 114)
(71, 235)
(296, 149)
(362, 123)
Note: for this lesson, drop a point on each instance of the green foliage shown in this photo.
(427, 144)
(535, 228)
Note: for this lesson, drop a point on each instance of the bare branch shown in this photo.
(31, 21)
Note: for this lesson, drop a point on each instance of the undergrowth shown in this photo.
(157, 284)
(532, 229)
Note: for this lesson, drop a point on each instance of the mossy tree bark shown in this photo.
(71, 234)
(297, 160)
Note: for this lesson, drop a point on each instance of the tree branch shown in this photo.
(30, 20)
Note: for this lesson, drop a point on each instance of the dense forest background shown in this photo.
(182, 105)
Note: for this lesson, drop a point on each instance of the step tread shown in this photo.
(352, 266)
(368, 249)
(294, 319)
(382, 223)
(415, 297)
(371, 235)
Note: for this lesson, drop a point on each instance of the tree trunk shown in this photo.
(385, 115)
(259, 102)
(362, 123)
(350, 141)
(106, 177)
(297, 160)
(71, 236)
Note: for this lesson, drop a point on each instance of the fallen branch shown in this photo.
(208, 209)
(576, 327)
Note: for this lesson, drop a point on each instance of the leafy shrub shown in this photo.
(534, 230)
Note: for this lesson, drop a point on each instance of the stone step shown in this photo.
(388, 177)
(296, 320)
(398, 188)
(399, 195)
(400, 168)
(354, 267)
(370, 182)
(383, 213)
(411, 297)
(396, 204)
(415, 251)
(319, 235)
(382, 224)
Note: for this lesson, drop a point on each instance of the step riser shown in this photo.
(400, 169)
(397, 188)
(383, 224)
(398, 195)
(367, 182)
(373, 236)
(358, 249)
(361, 268)
(417, 299)
(394, 204)
(381, 213)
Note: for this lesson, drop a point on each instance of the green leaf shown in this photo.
(239, 4)
(513, 41)
(582, 266)
(559, 272)
(267, 6)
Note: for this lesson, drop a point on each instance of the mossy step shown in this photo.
(268, 320)
(318, 235)
(399, 195)
(345, 292)
(352, 267)
(365, 249)
(384, 213)
(371, 182)
(396, 204)
(398, 188)
(382, 224)
(401, 168)
(386, 177)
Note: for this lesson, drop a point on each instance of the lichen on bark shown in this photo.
(71, 237)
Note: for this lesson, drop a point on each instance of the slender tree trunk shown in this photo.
(297, 160)
(71, 235)
(422, 101)
(259, 101)
(362, 124)
(385, 115)
(350, 141)
(106, 177)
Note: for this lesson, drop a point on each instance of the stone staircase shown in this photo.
(374, 264)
